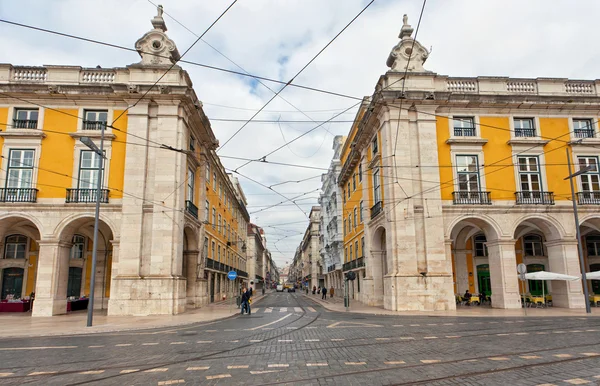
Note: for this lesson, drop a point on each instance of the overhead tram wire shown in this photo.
(238, 66)
(181, 61)
(175, 62)
(297, 74)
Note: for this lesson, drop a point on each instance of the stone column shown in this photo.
(191, 258)
(563, 257)
(52, 279)
(462, 272)
(100, 278)
(503, 274)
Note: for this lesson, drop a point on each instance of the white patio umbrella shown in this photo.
(543, 275)
(592, 275)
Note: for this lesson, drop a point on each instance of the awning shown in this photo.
(593, 275)
(543, 275)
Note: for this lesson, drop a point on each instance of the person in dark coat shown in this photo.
(324, 290)
(314, 289)
(246, 301)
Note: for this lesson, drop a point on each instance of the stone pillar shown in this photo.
(52, 279)
(99, 303)
(563, 257)
(503, 274)
(191, 258)
(462, 272)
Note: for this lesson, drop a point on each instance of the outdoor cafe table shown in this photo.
(15, 306)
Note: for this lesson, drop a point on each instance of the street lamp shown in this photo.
(579, 248)
(100, 151)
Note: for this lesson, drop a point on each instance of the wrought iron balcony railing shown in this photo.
(532, 197)
(360, 262)
(86, 195)
(524, 132)
(94, 125)
(471, 198)
(376, 209)
(191, 208)
(584, 133)
(588, 198)
(18, 195)
(25, 123)
(464, 131)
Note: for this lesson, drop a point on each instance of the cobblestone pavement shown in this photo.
(288, 339)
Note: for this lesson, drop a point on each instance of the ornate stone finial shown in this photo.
(408, 55)
(155, 47)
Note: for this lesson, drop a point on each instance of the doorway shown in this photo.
(12, 282)
(537, 287)
(74, 283)
(595, 283)
(483, 279)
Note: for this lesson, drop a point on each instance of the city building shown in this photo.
(307, 259)
(167, 207)
(463, 179)
(255, 255)
(331, 243)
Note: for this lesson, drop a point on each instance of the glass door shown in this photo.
(483, 279)
(12, 282)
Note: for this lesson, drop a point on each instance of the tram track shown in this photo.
(146, 367)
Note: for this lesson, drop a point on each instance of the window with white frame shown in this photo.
(350, 250)
(349, 223)
(375, 145)
(94, 119)
(592, 243)
(89, 167)
(355, 217)
(212, 250)
(345, 227)
(207, 176)
(190, 184)
(15, 247)
(464, 126)
(356, 248)
(214, 217)
(480, 246)
(360, 172)
(192, 143)
(207, 210)
(524, 127)
(205, 248)
(362, 246)
(219, 229)
(26, 119)
(20, 169)
(78, 248)
(215, 181)
(530, 178)
(467, 170)
(590, 181)
(376, 186)
(583, 128)
(532, 245)
(361, 211)
(354, 182)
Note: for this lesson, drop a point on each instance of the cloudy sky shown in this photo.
(276, 38)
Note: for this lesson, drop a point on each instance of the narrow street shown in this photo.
(289, 339)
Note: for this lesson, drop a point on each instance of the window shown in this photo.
(16, 247)
(219, 252)
(25, 119)
(208, 172)
(190, 185)
(362, 246)
(94, 120)
(344, 196)
(529, 175)
(206, 210)
(215, 181)
(583, 128)
(376, 186)
(361, 211)
(89, 167)
(374, 145)
(78, 248)
(354, 182)
(524, 127)
(74, 282)
(360, 172)
(349, 223)
(345, 227)
(464, 126)
(532, 245)
(480, 246)
(219, 229)
(214, 217)
(212, 250)
(348, 190)
(356, 248)
(20, 169)
(346, 254)
(355, 216)
(590, 181)
(350, 250)
(467, 169)
(220, 191)
(192, 143)
(205, 248)
(592, 243)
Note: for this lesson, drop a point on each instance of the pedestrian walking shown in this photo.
(246, 301)
(331, 292)
(314, 289)
(324, 293)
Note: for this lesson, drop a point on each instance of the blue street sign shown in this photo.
(232, 275)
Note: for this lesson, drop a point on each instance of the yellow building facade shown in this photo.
(172, 221)
(472, 178)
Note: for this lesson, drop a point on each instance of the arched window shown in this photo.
(480, 247)
(532, 245)
(15, 247)
(592, 243)
(78, 248)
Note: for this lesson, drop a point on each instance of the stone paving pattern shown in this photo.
(291, 339)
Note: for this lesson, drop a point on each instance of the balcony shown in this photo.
(86, 196)
(376, 209)
(588, 198)
(94, 125)
(584, 133)
(520, 132)
(25, 123)
(191, 208)
(464, 132)
(360, 262)
(471, 198)
(18, 195)
(531, 197)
